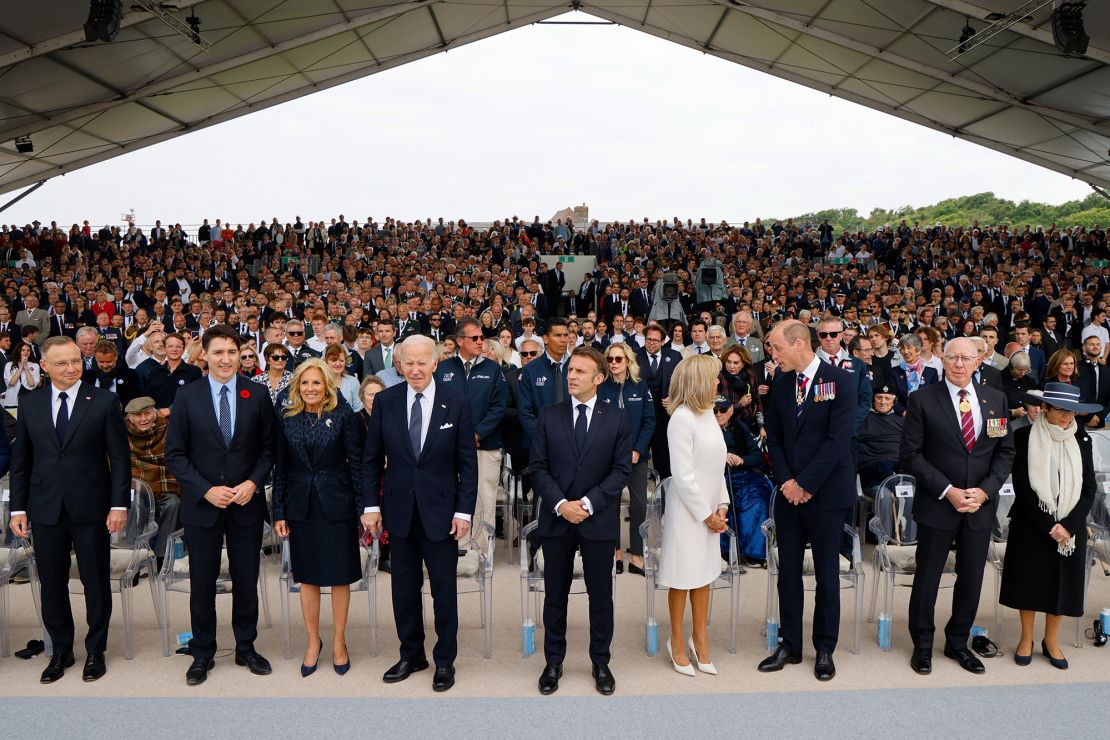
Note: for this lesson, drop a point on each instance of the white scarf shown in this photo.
(1057, 483)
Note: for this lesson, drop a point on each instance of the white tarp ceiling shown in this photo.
(83, 103)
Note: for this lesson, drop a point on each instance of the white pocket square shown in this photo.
(448, 425)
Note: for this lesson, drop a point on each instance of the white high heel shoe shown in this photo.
(685, 670)
(703, 667)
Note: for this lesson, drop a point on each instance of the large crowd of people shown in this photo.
(787, 357)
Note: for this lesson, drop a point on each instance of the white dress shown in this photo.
(691, 555)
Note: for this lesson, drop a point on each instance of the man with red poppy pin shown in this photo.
(220, 448)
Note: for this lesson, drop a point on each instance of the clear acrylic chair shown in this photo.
(131, 556)
(371, 552)
(896, 553)
(16, 555)
(1098, 539)
(474, 574)
(851, 577)
(652, 533)
(531, 587)
(996, 554)
(518, 509)
(174, 576)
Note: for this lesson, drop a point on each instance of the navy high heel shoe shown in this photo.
(342, 669)
(308, 670)
(1061, 663)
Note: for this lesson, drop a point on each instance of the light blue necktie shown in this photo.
(225, 416)
(416, 420)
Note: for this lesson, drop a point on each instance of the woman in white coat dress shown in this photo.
(696, 506)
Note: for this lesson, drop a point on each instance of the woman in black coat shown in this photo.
(317, 504)
(1054, 487)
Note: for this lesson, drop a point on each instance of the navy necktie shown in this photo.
(225, 415)
(559, 382)
(416, 420)
(580, 429)
(62, 421)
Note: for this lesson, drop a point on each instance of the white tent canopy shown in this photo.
(82, 103)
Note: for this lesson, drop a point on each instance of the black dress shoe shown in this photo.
(402, 669)
(824, 668)
(922, 661)
(636, 570)
(603, 680)
(94, 667)
(620, 566)
(965, 658)
(384, 566)
(549, 679)
(259, 666)
(444, 678)
(777, 660)
(57, 666)
(198, 671)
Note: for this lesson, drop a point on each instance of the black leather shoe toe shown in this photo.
(824, 669)
(57, 667)
(603, 679)
(258, 665)
(922, 661)
(778, 660)
(444, 678)
(549, 679)
(198, 671)
(94, 667)
(402, 669)
(965, 658)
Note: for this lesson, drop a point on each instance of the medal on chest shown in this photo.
(965, 406)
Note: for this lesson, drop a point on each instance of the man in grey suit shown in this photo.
(32, 315)
(380, 356)
(741, 335)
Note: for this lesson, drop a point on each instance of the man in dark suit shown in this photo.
(829, 332)
(584, 298)
(1036, 355)
(299, 351)
(957, 444)
(580, 464)
(810, 410)
(220, 448)
(426, 431)
(657, 364)
(1094, 383)
(71, 478)
(380, 356)
(112, 375)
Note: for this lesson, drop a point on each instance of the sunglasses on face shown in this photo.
(615, 359)
(532, 353)
(294, 333)
(828, 334)
(721, 408)
(475, 338)
(278, 358)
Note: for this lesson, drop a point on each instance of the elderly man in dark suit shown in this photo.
(956, 442)
(811, 410)
(220, 447)
(426, 431)
(71, 478)
(657, 364)
(581, 455)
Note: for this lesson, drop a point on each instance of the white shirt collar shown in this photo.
(71, 393)
(954, 390)
(429, 392)
(811, 369)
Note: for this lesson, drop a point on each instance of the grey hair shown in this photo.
(332, 326)
(948, 344)
(85, 331)
(293, 322)
(416, 341)
(716, 329)
(1020, 361)
(910, 340)
(980, 343)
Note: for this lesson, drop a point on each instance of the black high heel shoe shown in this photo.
(342, 668)
(1061, 663)
(308, 670)
(620, 566)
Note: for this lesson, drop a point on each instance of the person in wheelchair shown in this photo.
(880, 436)
(749, 485)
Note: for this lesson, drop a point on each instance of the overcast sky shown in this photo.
(537, 119)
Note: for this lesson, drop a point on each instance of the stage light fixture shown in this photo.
(966, 36)
(23, 145)
(104, 19)
(1067, 27)
(194, 24)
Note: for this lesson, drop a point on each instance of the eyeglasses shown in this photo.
(533, 353)
(615, 359)
(723, 409)
(294, 333)
(474, 338)
(278, 358)
(965, 359)
(828, 334)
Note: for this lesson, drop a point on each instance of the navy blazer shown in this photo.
(537, 390)
(197, 457)
(660, 383)
(319, 457)
(638, 407)
(489, 398)
(901, 382)
(599, 473)
(90, 471)
(815, 447)
(444, 479)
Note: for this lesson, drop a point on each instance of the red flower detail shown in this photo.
(244, 394)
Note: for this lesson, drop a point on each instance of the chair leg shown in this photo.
(372, 607)
(264, 590)
(165, 620)
(998, 606)
(875, 588)
(126, 604)
(285, 616)
(5, 644)
(36, 597)
(857, 617)
(734, 618)
(487, 609)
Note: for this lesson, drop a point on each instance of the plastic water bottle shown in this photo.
(652, 637)
(179, 549)
(772, 634)
(528, 637)
(976, 631)
(1105, 617)
(884, 630)
(183, 638)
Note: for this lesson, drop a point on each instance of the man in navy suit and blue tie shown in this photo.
(426, 432)
(581, 460)
(219, 446)
(810, 422)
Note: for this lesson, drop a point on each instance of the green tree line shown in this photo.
(982, 207)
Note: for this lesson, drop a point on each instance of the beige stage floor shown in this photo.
(507, 674)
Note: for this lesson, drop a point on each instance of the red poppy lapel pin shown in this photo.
(244, 394)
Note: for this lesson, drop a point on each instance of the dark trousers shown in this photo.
(660, 450)
(597, 567)
(244, 546)
(794, 527)
(52, 547)
(408, 556)
(933, 546)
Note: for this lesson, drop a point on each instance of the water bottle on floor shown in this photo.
(1105, 617)
(884, 630)
(528, 637)
(652, 637)
(772, 634)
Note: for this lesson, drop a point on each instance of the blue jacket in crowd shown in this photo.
(488, 394)
(638, 407)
